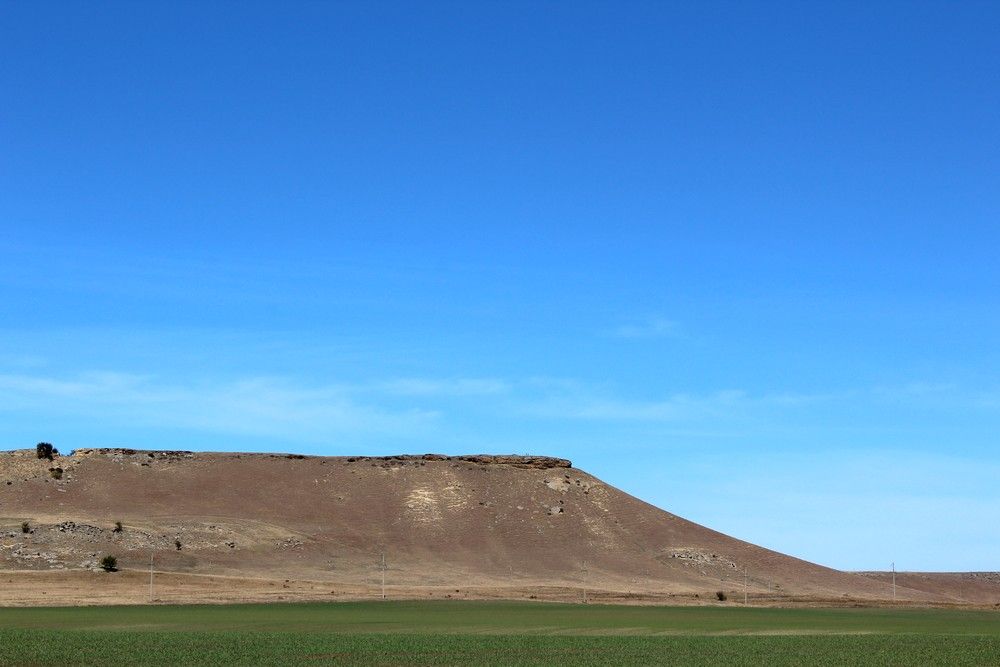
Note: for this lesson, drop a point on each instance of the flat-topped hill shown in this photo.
(229, 526)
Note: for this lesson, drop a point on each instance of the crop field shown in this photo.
(494, 633)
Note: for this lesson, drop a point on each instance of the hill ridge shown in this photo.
(478, 525)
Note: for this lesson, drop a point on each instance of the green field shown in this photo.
(495, 633)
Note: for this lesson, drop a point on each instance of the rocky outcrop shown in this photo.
(120, 453)
(541, 462)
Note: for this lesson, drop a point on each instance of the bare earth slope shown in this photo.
(961, 587)
(227, 527)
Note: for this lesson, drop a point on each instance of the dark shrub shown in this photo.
(25, 527)
(45, 450)
(177, 543)
(721, 596)
(118, 527)
(109, 564)
(56, 473)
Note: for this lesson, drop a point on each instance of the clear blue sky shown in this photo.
(739, 259)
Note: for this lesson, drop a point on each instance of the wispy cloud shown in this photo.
(672, 408)
(938, 396)
(254, 407)
(417, 409)
(22, 361)
(576, 401)
(447, 387)
(988, 400)
(915, 390)
(656, 327)
(401, 407)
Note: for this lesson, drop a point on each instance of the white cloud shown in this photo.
(448, 387)
(988, 401)
(656, 327)
(677, 407)
(255, 407)
(22, 360)
(413, 409)
(573, 400)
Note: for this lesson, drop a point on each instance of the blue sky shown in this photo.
(738, 259)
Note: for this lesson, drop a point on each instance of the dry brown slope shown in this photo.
(467, 522)
(961, 587)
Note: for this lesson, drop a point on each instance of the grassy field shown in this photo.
(496, 633)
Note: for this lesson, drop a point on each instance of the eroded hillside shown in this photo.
(504, 526)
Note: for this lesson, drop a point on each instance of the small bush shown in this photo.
(25, 527)
(45, 450)
(118, 527)
(721, 596)
(56, 473)
(109, 564)
(177, 543)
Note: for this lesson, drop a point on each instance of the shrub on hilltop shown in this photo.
(109, 564)
(45, 450)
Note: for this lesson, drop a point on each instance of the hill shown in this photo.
(231, 526)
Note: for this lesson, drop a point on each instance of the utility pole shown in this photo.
(382, 567)
(893, 581)
(150, 577)
(744, 586)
